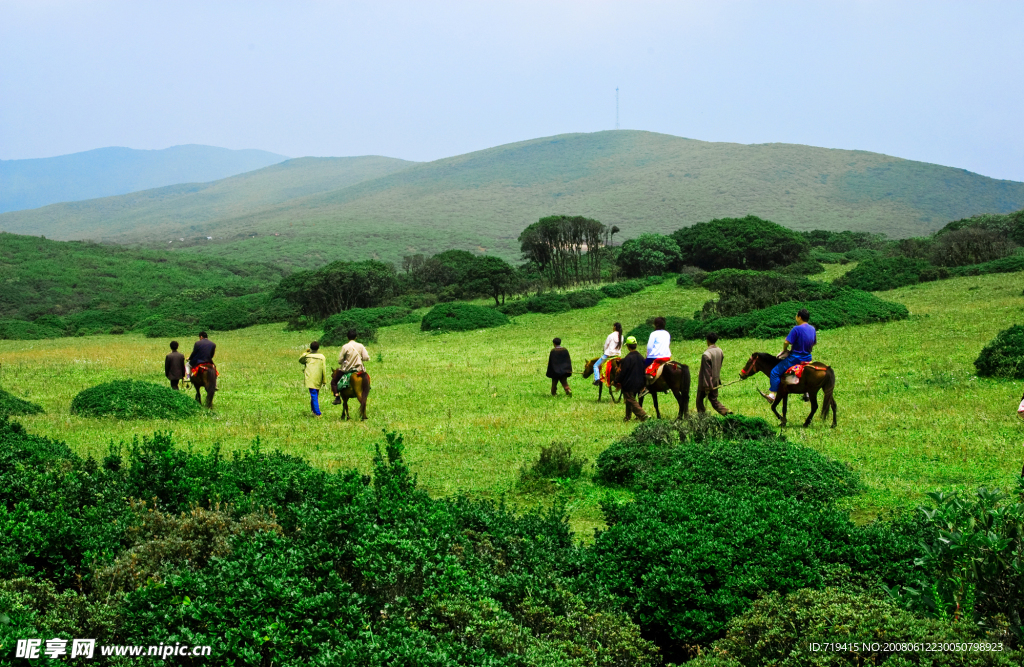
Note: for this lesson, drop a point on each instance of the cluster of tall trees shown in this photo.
(566, 250)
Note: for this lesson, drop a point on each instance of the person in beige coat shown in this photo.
(315, 374)
(710, 377)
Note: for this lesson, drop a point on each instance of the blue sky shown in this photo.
(940, 82)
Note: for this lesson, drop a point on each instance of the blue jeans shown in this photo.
(314, 401)
(792, 360)
(597, 366)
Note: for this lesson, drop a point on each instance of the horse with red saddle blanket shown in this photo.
(804, 378)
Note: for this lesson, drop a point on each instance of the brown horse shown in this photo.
(814, 377)
(358, 388)
(675, 377)
(614, 392)
(205, 377)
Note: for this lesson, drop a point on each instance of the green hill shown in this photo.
(105, 172)
(640, 181)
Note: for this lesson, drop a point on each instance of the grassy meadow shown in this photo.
(474, 407)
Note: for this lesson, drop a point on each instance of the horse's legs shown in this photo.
(780, 398)
(814, 406)
(654, 397)
(683, 408)
(600, 390)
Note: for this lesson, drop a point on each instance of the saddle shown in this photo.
(652, 378)
(794, 373)
(203, 367)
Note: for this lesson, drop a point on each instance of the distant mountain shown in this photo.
(481, 201)
(105, 172)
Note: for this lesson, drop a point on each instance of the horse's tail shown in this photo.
(365, 377)
(829, 394)
(684, 385)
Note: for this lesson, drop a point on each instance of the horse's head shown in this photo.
(750, 368)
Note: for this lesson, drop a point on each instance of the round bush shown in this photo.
(462, 317)
(549, 303)
(584, 298)
(12, 405)
(514, 308)
(1004, 356)
(132, 399)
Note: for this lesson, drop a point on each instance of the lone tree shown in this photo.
(741, 243)
(337, 287)
(492, 276)
(566, 249)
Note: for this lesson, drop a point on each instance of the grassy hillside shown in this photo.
(474, 406)
(186, 210)
(640, 181)
(60, 279)
(105, 172)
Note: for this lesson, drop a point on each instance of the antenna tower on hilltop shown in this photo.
(616, 107)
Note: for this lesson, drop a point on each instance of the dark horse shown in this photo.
(815, 376)
(358, 388)
(205, 377)
(614, 392)
(675, 377)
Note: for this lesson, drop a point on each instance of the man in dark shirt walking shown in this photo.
(632, 379)
(710, 377)
(174, 365)
(559, 367)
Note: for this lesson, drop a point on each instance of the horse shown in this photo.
(675, 377)
(614, 392)
(358, 388)
(813, 378)
(205, 377)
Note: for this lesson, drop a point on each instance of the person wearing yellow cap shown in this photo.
(631, 378)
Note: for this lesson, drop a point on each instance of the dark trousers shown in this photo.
(174, 384)
(565, 386)
(712, 396)
(633, 406)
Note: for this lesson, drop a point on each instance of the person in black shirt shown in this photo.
(559, 367)
(174, 365)
(632, 379)
(202, 351)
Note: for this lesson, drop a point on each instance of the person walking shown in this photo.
(710, 377)
(174, 366)
(350, 360)
(658, 351)
(631, 379)
(612, 348)
(559, 367)
(315, 373)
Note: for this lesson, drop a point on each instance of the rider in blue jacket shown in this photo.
(798, 343)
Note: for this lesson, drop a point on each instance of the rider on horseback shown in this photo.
(350, 360)
(802, 339)
(658, 351)
(612, 348)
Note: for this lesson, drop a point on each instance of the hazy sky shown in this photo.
(933, 81)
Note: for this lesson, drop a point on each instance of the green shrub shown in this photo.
(22, 330)
(514, 308)
(975, 557)
(654, 280)
(884, 273)
(743, 291)
(1011, 264)
(742, 454)
(863, 255)
(809, 267)
(155, 327)
(11, 405)
(648, 255)
(851, 307)
(132, 399)
(826, 257)
(685, 280)
(548, 303)
(622, 288)
(971, 245)
(555, 462)
(686, 561)
(740, 243)
(365, 321)
(586, 298)
(777, 631)
(461, 317)
(1004, 356)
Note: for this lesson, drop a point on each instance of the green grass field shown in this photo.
(474, 407)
